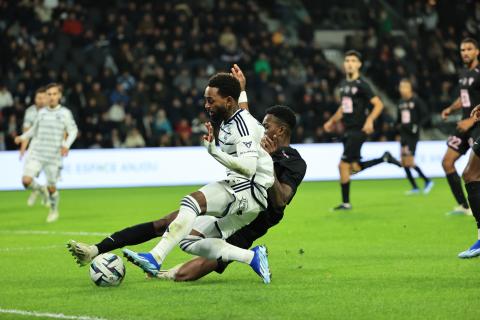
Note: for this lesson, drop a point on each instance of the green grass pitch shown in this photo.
(392, 257)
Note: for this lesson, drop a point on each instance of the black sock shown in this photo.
(345, 192)
(420, 173)
(410, 178)
(473, 191)
(456, 186)
(370, 163)
(128, 236)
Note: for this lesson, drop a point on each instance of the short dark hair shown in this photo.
(284, 114)
(227, 85)
(470, 40)
(354, 53)
(40, 90)
(55, 85)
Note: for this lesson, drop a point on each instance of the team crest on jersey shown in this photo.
(354, 90)
(248, 144)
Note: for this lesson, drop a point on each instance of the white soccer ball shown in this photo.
(107, 270)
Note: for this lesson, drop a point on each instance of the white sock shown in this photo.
(54, 200)
(178, 229)
(215, 249)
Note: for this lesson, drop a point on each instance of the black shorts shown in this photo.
(408, 142)
(352, 144)
(462, 141)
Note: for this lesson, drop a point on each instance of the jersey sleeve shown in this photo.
(71, 128)
(367, 91)
(295, 169)
(29, 119)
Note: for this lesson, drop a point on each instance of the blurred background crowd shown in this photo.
(134, 72)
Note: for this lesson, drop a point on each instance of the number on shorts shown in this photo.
(454, 142)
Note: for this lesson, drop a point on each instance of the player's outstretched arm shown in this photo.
(238, 73)
(244, 165)
(456, 105)
(337, 116)
(374, 114)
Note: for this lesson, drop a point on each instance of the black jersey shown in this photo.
(290, 169)
(469, 83)
(412, 114)
(355, 101)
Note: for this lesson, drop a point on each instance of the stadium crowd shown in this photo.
(134, 72)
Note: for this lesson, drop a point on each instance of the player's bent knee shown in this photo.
(26, 181)
(51, 189)
(448, 165)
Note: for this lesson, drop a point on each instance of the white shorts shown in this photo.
(33, 167)
(231, 205)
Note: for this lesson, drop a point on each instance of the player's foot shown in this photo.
(32, 198)
(45, 197)
(387, 157)
(259, 263)
(83, 253)
(472, 252)
(143, 260)
(428, 187)
(52, 216)
(342, 207)
(412, 192)
(460, 211)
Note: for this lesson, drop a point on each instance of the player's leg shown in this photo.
(31, 170)
(140, 233)
(351, 153)
(407, 163)
(412, 146)
(52, 172)
(456, 148)
(471, 176)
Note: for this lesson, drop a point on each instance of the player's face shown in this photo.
(215, 104)
(468, 52)
(54, 96)
(272, 126)
(405, 89)
(41, 99)
(351, 64)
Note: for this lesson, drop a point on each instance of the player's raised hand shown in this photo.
(64, 151)
(445, 113)
(238, 73)
(18, 140)
(475, 114)
(270, 145)
(209, 136)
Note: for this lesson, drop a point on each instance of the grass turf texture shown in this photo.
(392, 257)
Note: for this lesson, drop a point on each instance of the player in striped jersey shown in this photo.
(28, 182)
(219, 209)
(49, 144)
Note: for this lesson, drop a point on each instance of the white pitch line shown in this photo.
(49, 233)
(47, 314)
(31, 248)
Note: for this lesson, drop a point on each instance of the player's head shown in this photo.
(279, 121)
(221, 95)
(54, 93)
(405, 88)
(469, 50)
(352, 62)
(41, 97)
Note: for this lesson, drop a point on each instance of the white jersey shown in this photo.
(30, 116)
(240, 136)
(48, 134)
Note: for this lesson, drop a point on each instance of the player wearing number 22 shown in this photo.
(357, 99)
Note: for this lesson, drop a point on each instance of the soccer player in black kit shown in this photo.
(289, 168)
(357, 99)
(467, 131)
(412, 115)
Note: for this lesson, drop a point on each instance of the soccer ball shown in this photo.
(107, 270)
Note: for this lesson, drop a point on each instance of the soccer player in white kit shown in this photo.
(219, 209)
(40, 101)
(49, 144)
